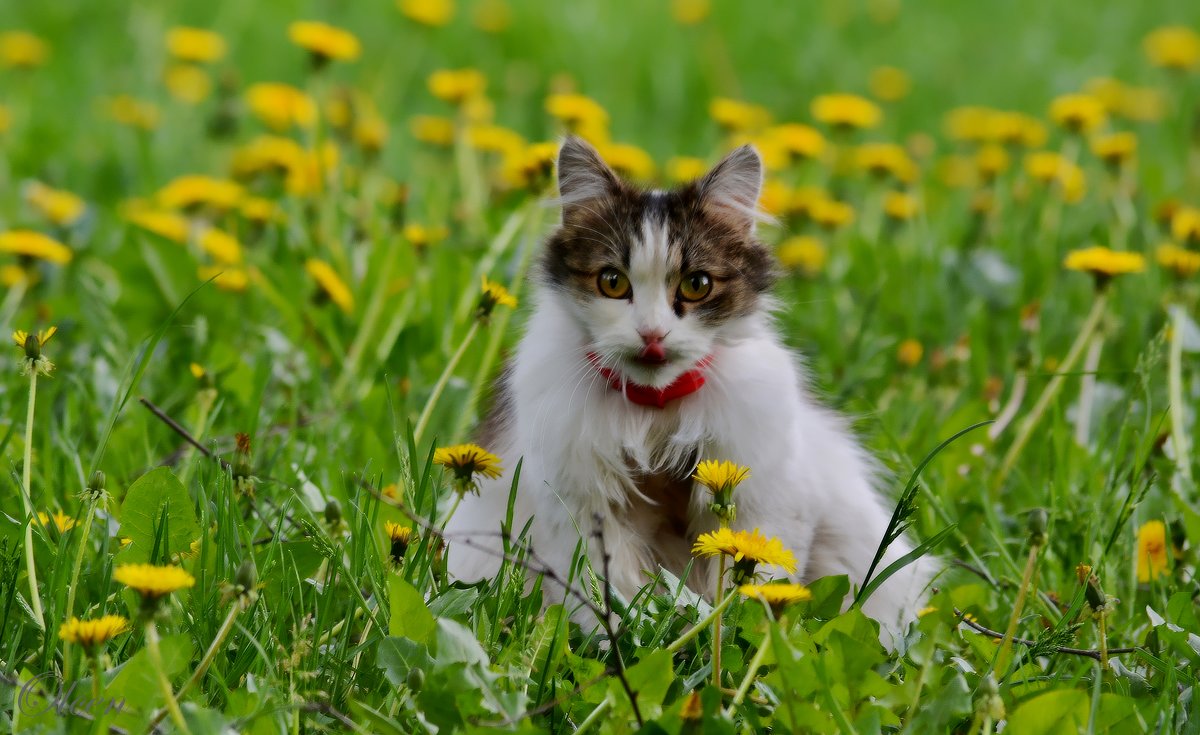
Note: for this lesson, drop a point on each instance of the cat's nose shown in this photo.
(650, 336)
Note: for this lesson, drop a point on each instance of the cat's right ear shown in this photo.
(582, 175)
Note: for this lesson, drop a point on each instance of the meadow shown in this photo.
(258, 270)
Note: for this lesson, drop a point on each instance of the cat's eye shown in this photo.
(695, 286)
(613, 283)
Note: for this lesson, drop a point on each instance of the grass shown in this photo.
(326, 633)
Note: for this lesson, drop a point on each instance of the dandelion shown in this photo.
(690, 12)
(401, 537)
(577, 111)
(11, 275)
(492, 295)
(1151, 551)
(494, 139)
(900, 206)
(223, 247)
(909, 352)
(35, 245)
(682, 169)
(187, 192)
(456, 86)
(266, 154)
(928, 610)
(991, 161)
(1173, 47)
(324, 42)
(187, 83)
(1115, 148)
(693, 708)
(830, 213)
(280, 106)
(721, 478)
(466, 461)
(1049, 167)
(22, 50)
(530, 167)
(420, 236)
(799, 142)
(1182, 262)
(61, 521)
(628, 160)
(331, 284)
(432, 13)
(748, 549)
(889, 84)
(1077, 113)
(153, 582)
(61, 207)
(132, 112)
(195, 45)
(370, 133)
(492, 16)
(260, 210)
(1104, 263)
(886, 159)
(433, 129)
(307, 174)
(777, 595)
(1185, 224)
(736, 116)
(846, 111)
(167, 225)
(34, 362)
(803, 253)
(92, 634)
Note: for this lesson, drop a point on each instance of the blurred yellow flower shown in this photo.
(1104, 263)
(1151, 551)
(11, 275)
(798, 141)
(494, 139)
(1182, 262)
(194, 190)
(969, 124)
(910, 352)
(57, 205)
(133, 112)
(889, 84)
(491, 295)
(900, 206)
(93, 633)
(223, 247)
(803, 253)
(628, 160)
(432, 13)
(775, 197)
(846, 111)
(886, 159)
(737, 116)
(195, 45)
(371, 133)
(22, 50)
(331, 284)
(281, 106)
(682, 169)
(266, 154)
(831, 214)
(420, 236)
(323, 41)
(1115, 148)
(59, 520)
(456, 86)
(187, 83)
(35, 245)
(258, 209)
(529, 167)
(1173, 47)
(690, 12)
(991, 160)
(491, 16)
(433, 129)
(153, 581)
(576, 111)
(1077, 113)
(5, 119)
(1049, 167)
(225, 278)
(1185, 225)
(309, 173)
(169, 225)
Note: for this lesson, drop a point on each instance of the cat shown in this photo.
(651, 347)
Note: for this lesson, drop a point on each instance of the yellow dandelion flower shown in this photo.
(1115, 148)
(197, 190)
(331, 284)
(234, 280)
(1185, 224)
(690, 12)
(846, 111)
(1182, 262)
(308, 174)
(736, 116)
(33, 361)
(800, 142)
(94, 633)
(889, 84)
(748, 549)
(491, 16)
(721, 478)
(929, 610)
(968, 124)
(169, 225)
(456, 86)
(266, 154)
(59, 520)
(830, 213)
(60, 207)
(777, 595)
(628, 160)
(433, 129)
(401, 537)
(1104, 263)
(280, 106)
(992, 160)
(152, 581)
(530, 167)
(11, 275)
(258, 209)
(432, 13)
(22, 50)
(909, 352)
(370, 133)
(803, 253)
(775, 197)
(197, 370)
(420, 236)
(466, 461)
(135, 113)
(323, 41)
(682, 169)
(886, 159)
(1151, 551)
(1077, 113)
(1049, 167)
(195, 45)
(1173, 47)
(494, 138)
(35, 245)
(693, 708)
(187, 83)
(576, 111)
(900, 206)
(492, 295)
(223, 247)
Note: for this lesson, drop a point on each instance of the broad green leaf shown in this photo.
(410, 618)
(142, 511)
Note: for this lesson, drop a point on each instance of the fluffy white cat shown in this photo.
(651, 347)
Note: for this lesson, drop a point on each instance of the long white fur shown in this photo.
(583, 443)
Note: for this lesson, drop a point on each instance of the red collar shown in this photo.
(644, 395)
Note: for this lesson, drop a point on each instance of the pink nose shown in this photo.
(654, 350)
(650, 336)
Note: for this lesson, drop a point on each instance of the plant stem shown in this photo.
(35, 599)
(209, 656)
(156, 658)
(96, 677)
(1051, 390)
(1102, 624)
(593, 717)
(458, 496)
(751, 675)
(83, 545)
(1179, 438)
(1087, 390)
(1002, 659)
(716, 654)
(692, 632)
(442, 380)
(1006, 415)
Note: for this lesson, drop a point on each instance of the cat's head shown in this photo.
(656, 279)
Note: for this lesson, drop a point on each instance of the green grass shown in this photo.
(335, 637)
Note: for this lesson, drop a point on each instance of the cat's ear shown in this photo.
(582, 174)
(732, 187)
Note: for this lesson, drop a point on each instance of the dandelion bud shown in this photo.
(333, 512)
(1038, 519)
(990, 704)
(1096, 599)
(247, 576)
(33, 348)
(415, 679)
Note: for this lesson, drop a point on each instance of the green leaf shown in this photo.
(1057, 712)
(410, 616)
(141, 513)
(137, 682)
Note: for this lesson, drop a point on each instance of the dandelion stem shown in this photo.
(442, 380)
(1102, 624)
(1006, 415)
(209, 656)
(1087, 390)
(716, 654)
(83, 545)
(35, 599)
(1179, 438)
(458, 496)
(593, 717)
(1002, 659)
(1051, 390)
(156, 658)
(751, 675)
(692, 632)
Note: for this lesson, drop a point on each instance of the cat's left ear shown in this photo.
(732, 187)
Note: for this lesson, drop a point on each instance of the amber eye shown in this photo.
(613, 283)
(695, 286)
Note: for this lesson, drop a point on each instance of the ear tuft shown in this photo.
(734, 184)
(582, 173)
